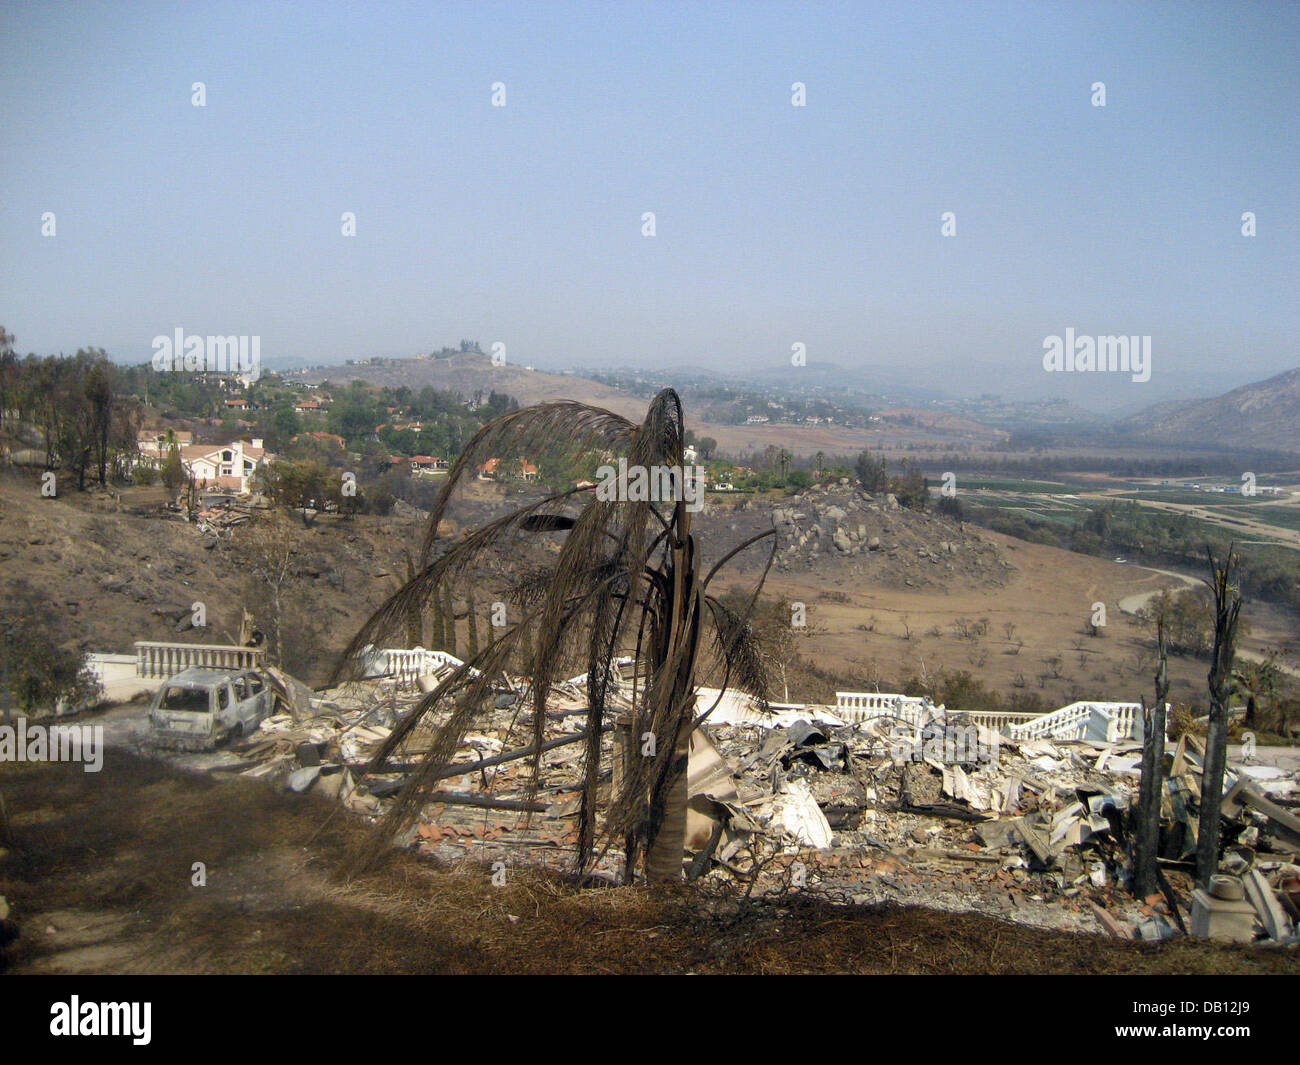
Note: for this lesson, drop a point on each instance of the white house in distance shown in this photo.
(224, 465)
(152, 442)
(213, 465)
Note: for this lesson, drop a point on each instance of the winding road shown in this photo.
(1133, 604)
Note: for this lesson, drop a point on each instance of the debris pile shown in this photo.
(220, 514)
(1009, 823)
(927, 807)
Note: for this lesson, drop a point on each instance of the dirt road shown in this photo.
(1134, 604)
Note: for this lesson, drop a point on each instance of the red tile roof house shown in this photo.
(224, 465)
(427, 463)
(490, 469)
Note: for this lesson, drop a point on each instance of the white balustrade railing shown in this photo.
(1067, 723)
(1100, 722)
(408, 666)
(155, 659)
(998, 720)
(857, 707)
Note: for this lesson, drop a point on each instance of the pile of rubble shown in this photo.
(484, 795)
(1006, 824)
(923, 806)
(846, 528)
(220, 514)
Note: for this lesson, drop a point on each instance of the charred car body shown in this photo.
(198, 708)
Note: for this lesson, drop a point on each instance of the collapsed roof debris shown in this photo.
(877, 798)
(220, 514)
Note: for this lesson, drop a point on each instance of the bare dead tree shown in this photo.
(1227, 609)
(267, 551)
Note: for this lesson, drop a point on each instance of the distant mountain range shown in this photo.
(1264, 415)
(1260, 416)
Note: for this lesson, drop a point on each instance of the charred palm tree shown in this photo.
(1223, 582)
(625, 578)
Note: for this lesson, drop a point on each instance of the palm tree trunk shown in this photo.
(1152, 786)
(1227, 609)
(664, 858)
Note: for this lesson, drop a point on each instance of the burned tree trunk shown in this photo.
(414, 615)
(448, 622)
(437, 636)
(471, 619)
(1227, 608)
(1153, 772)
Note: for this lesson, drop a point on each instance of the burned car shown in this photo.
(198, 708)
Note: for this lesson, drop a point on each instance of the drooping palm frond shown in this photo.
(624, 577)
(576, 426)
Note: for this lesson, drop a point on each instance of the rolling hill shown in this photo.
(1263, 415)
(472, 372)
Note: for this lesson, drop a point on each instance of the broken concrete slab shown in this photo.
(1225, 919)
(1276, 923)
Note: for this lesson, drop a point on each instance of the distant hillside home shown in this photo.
(224, 465)
(427, 464)
(492, 469)
(152, 442)
(757, 419)
(308, 406)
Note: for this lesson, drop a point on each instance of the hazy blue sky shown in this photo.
(775, 224)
